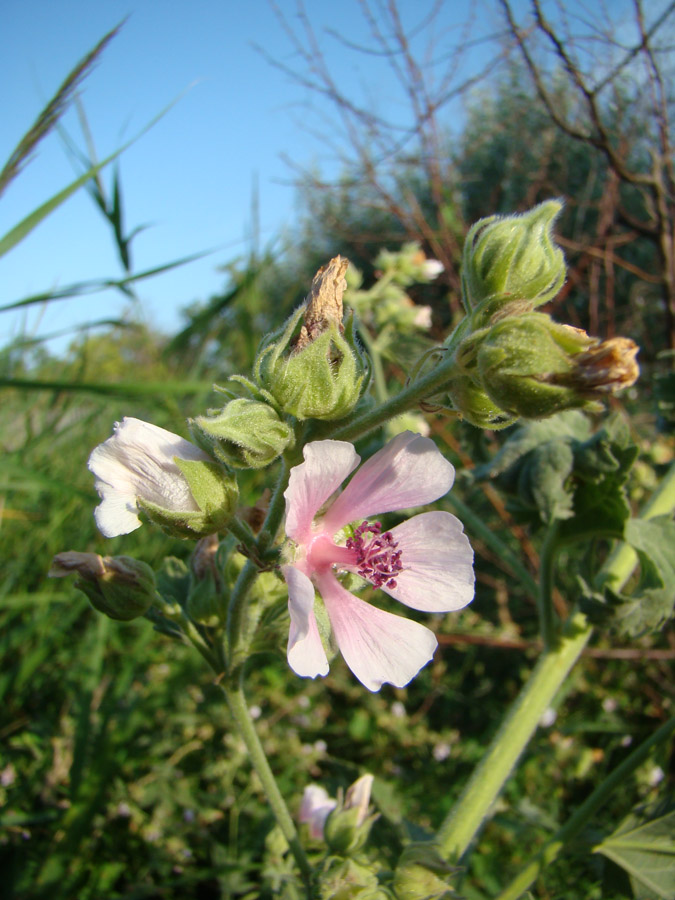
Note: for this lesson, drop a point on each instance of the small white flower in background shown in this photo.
(441, 751)
(626, 740)
(398, 709)
(255, 711)
(548, 717)
(423, 315)
(432, 268)
(358, 797)
(144, 467)
(656, 776)
(425, 562)
(609, 704)
(315, 808)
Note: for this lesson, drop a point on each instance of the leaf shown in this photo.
(15, 235)
(52, 112)
(568, 425)
(645, 848)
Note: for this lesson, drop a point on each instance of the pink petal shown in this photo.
(437, 562)
(409, 471)
(327, 464)
(306, 655)
(377, 646)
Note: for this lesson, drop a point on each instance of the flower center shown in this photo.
(377, 555)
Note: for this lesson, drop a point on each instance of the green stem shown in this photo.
(489, 777)
(275, 510)
(470, 810)
(381, 391)
(547, 619)
(239, 709)
(236, 610)
(243, 534)
(409, 397)
(586, 811)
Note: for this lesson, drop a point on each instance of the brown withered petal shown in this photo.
(608, 367)
(88, 565)
(324, 301)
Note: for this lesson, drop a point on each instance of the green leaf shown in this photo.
(645, 848)
(15, 235)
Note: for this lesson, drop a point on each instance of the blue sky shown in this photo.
(191, 178)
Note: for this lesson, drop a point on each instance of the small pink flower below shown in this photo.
(426, 562)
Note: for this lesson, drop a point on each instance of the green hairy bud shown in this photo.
(348, 826)
(532, 367)
(244, 434)
(511, 256)
(346, 879)
(121, 587)
(314, 369)
(422, 873)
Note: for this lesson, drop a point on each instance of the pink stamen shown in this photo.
(377, 557)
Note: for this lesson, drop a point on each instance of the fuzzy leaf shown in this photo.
(645, 848)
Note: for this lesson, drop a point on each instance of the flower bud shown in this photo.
(119, 586)
(513, 255)
(346, 879)
(245, 433)
(347, 827)
(314, 369)
(421, 874)
(476, 407)
(177, 485)
(534, 368)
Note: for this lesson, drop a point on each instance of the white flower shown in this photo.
(432, 268)
(314, 810)
(145, 467)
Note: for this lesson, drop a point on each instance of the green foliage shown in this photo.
(644, 846)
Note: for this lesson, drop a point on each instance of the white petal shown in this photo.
(437, 563)
(306, 655)
(138, 461)
(377, 646)
(315, 808)
(327, 464)
(409, 471)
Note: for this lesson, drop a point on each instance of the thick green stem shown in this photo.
(239, 709)
(586, 811)
(547, 618)
(470, 810)
(489, 777)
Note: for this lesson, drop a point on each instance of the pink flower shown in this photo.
(425, 563)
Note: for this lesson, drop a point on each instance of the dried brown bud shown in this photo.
(88, 565)
(323, 306)
(608, 367)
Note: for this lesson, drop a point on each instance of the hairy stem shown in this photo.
(487, 781)
(240, 712)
